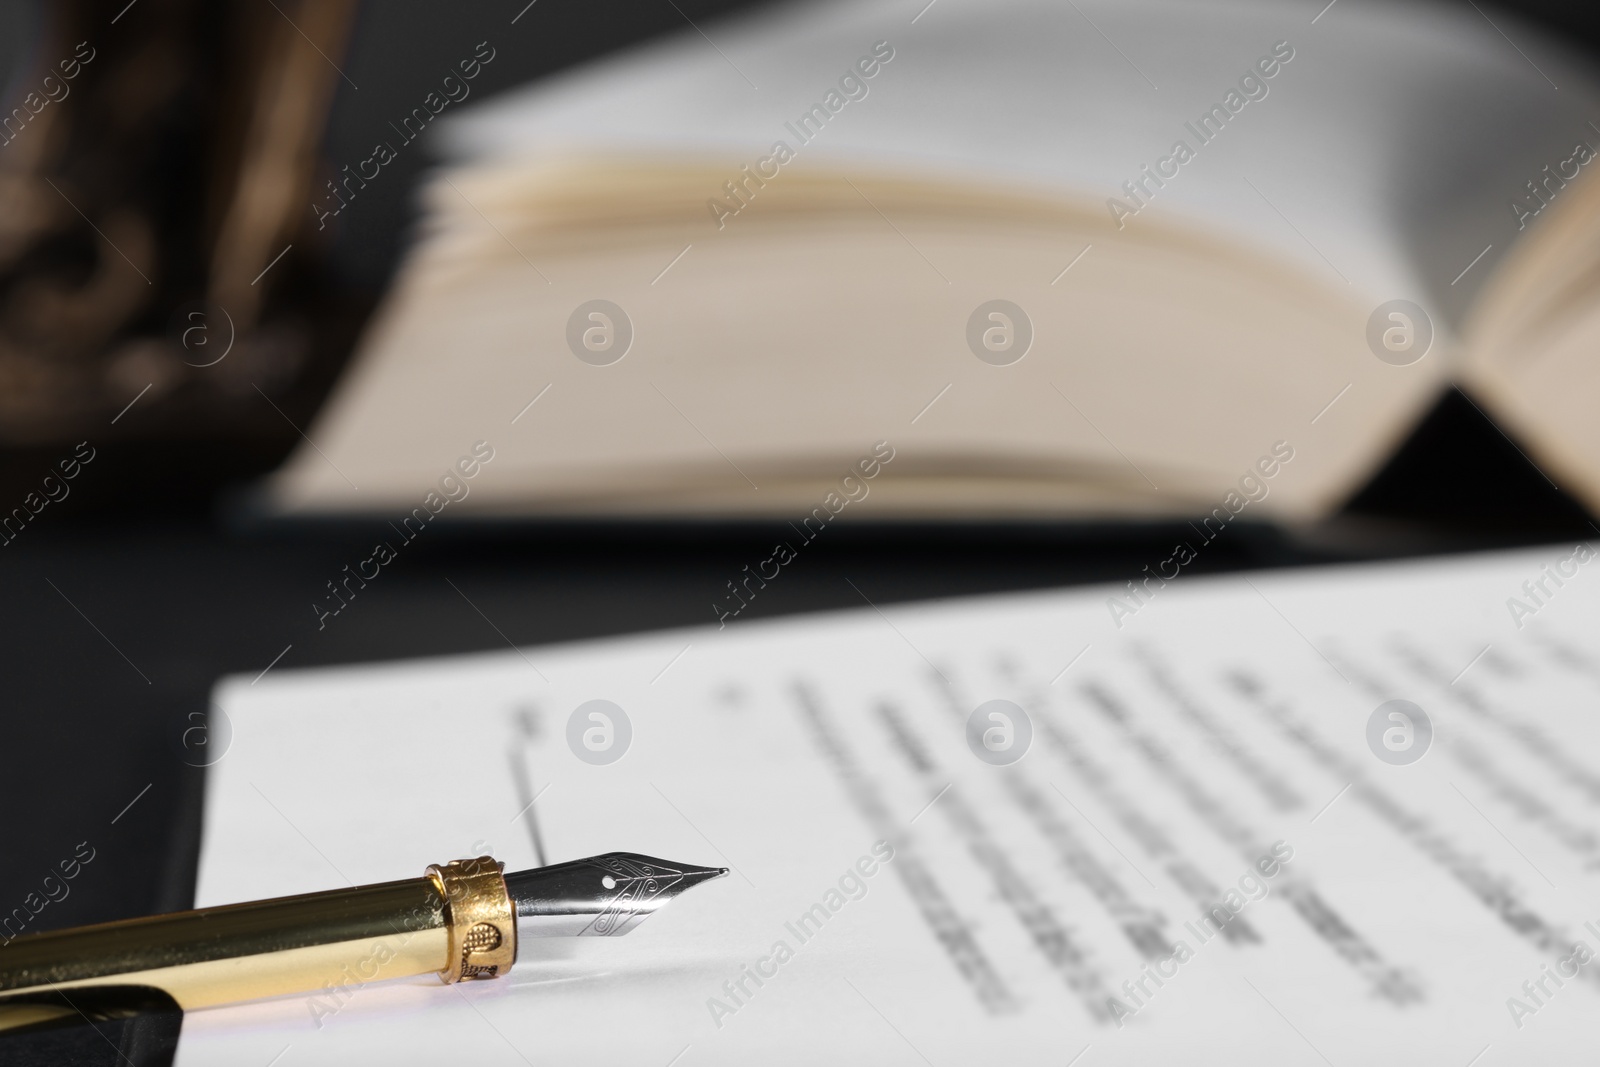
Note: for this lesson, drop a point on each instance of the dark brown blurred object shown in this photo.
(154, 177)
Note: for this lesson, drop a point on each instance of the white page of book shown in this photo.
(1035, 912)
(1384, 153)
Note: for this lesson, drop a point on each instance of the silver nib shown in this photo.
(602, 896)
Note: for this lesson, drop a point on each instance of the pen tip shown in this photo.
(602, 895)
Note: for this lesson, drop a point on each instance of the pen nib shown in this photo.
(602, 896)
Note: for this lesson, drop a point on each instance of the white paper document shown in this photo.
(1222, 842)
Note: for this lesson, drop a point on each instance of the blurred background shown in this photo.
(189, 145)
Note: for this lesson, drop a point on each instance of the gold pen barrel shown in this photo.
(457, 922)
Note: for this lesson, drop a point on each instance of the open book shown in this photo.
(1091, 259)
(1247, 826)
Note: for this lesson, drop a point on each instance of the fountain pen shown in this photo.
(462, 920)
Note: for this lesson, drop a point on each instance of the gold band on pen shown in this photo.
(483, 921)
